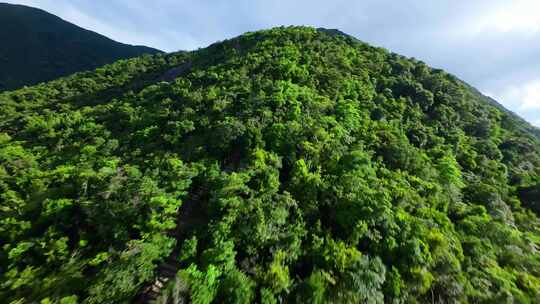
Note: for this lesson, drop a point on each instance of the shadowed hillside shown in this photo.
(37, 46)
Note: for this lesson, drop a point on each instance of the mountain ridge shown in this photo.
(527, 125)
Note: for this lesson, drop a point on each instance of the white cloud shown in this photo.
(524, 97)
(519, 16)
(531, 95)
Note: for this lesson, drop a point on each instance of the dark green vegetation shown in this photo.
(36, 46)
(317, 169)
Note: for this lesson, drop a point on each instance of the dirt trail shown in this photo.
(166, 271)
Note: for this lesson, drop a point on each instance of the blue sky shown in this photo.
(492, 44)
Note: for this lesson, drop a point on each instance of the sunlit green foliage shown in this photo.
(322, 170)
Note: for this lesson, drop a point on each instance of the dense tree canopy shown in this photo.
(298, 165)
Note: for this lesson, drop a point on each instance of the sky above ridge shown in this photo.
(492, 44)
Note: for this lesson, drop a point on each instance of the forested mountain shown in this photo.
(290, 165)
(37, 46)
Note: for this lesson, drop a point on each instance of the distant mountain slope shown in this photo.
(37, 46)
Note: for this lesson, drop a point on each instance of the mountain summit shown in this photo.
(290, 165)
(37, 46)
